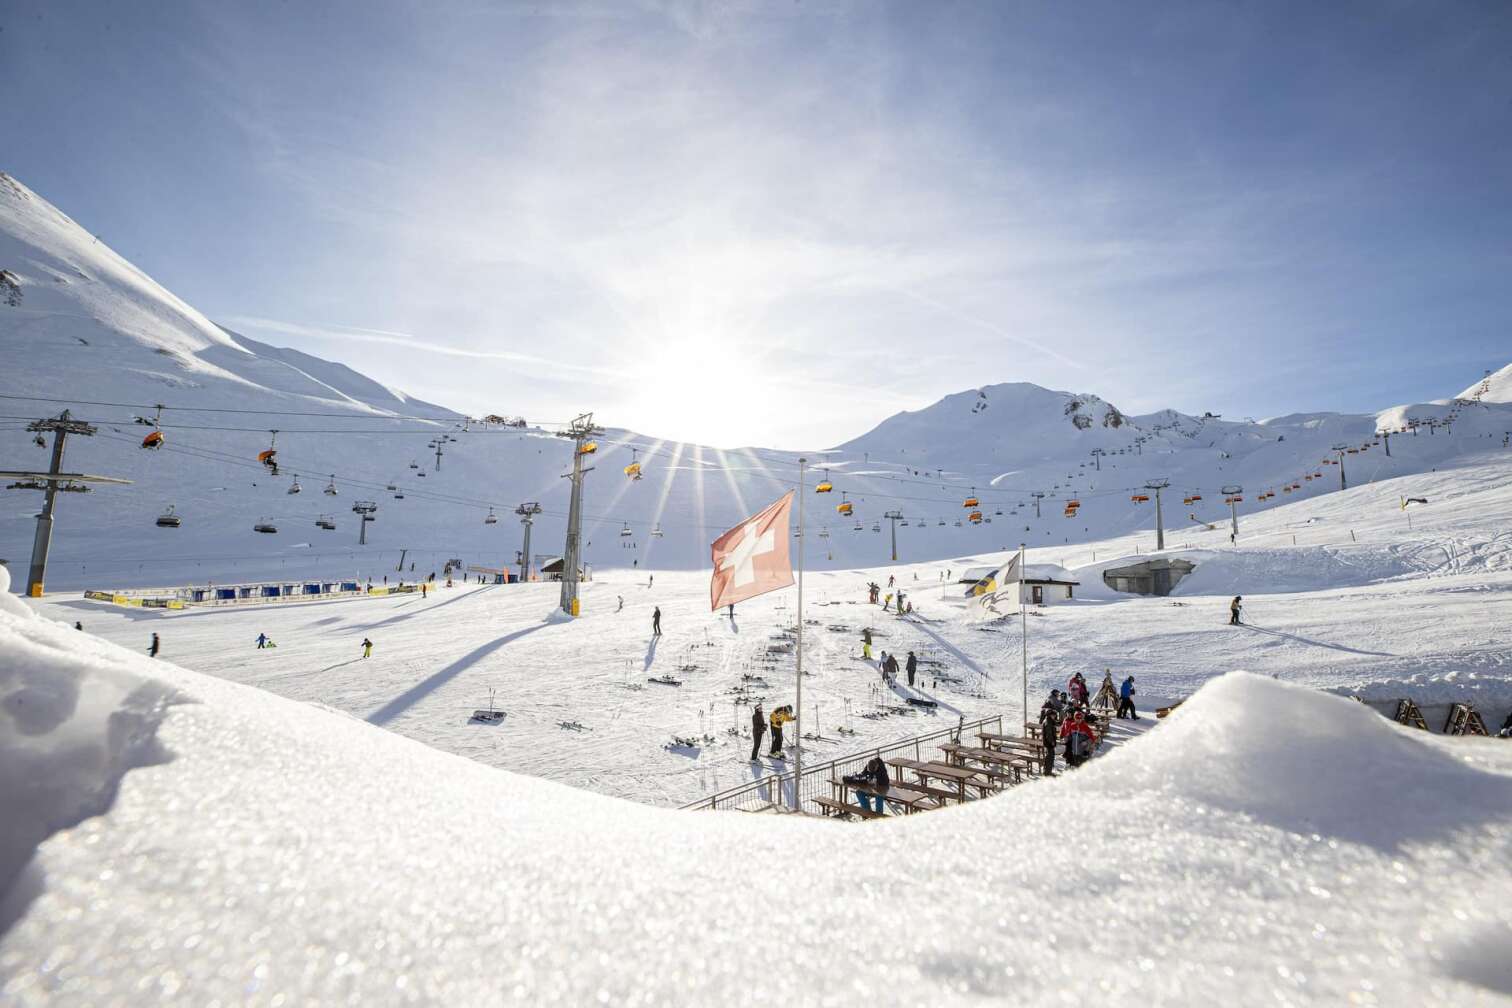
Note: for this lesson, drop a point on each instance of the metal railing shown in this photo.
(776, 790)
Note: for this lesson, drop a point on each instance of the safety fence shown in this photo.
(776, 790)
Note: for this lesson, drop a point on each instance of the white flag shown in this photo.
(995, 586)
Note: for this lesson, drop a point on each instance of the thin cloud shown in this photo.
(357, 334)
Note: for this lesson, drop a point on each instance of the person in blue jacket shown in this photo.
(1126, 700)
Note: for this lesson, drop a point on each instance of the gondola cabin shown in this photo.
(153, 440)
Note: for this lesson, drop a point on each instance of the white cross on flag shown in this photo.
(752, 558)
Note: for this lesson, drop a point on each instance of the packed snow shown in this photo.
(1267, 844)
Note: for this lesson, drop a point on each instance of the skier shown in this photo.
(886, 602)
(912, 666)
(78, 625)
(781, 716)
(656, 622)
(154, 647)
(650, 580)
(423, 586)
(892, 669)
(367, 648)
(621, 602)
(1126, 700)
(758, 729)
(891, 580)
(866, 649)
(1234, 608)
(900, 603)
(732, 610)
(1081, 741)
(262, 640)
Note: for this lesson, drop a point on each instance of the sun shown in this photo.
(705, 391)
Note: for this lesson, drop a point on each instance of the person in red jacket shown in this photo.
(1081, 740)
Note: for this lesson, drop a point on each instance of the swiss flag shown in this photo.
(752, 558)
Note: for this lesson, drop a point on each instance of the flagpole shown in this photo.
(1024, 629)
(798, 722)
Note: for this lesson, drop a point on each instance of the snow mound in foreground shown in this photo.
(1268, 844)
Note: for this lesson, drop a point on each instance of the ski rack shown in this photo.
(1407, 713)
(1464, 719)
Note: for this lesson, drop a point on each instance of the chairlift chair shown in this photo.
(168, 519)
(294, 487)
(330, 489)
(656, 533)
(633, 470)
(153, 440)
(625, 531)
(490, 518)
(327, 522)
(414, 465)
(265, 526)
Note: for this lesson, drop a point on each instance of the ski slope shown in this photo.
(1360, 604)
(185, 839)
(90, 329)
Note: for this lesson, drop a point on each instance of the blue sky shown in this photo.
(777, 223)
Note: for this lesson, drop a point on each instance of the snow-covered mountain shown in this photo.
(80, 327)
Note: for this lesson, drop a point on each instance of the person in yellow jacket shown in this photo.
(780, 716)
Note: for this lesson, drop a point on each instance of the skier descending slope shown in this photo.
(367, 648)
(1234, 608)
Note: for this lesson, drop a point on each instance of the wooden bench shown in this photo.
(910, 799)
(834, 807)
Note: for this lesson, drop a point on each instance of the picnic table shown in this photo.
(911, 799)
(961, 754)
(1034, 745)
(956, 776)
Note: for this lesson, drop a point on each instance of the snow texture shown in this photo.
(1269, 844)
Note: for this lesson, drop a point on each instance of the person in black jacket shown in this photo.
(758, 729)
(913, 666)
(1049, 719)
(873, 777)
